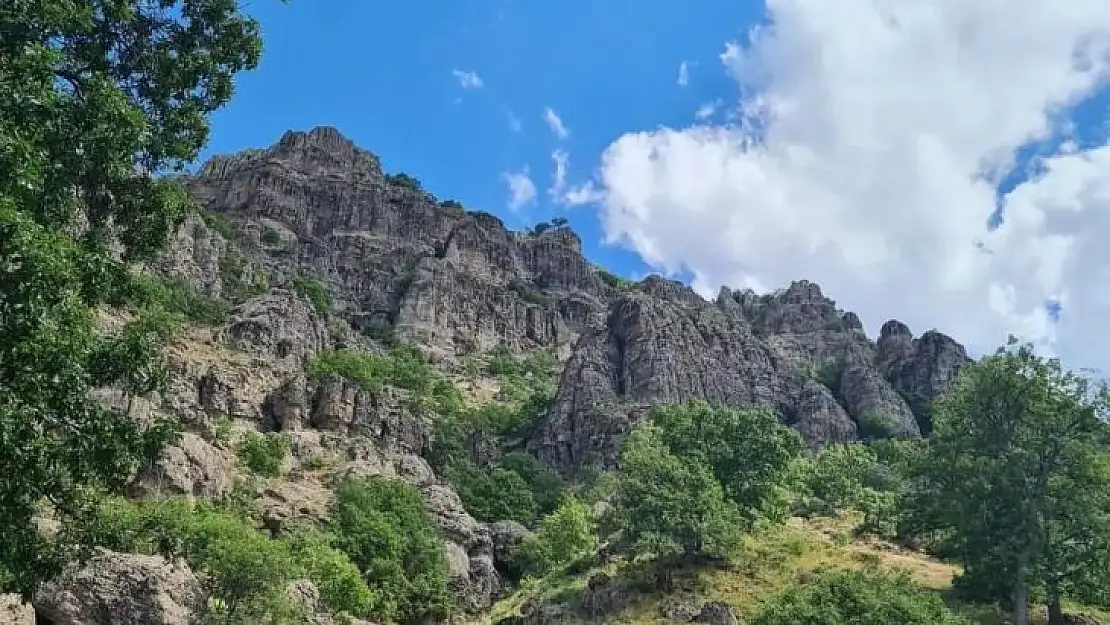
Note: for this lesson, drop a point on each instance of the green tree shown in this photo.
(1015, 481)
(566, 535)
(96, 97)
(383, 526)
(668, 509)
(748, 451)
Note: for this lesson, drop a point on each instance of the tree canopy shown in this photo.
(97, 98)
(1015, 483)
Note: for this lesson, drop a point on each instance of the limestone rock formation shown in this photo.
(122, 588)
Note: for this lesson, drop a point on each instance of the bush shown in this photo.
(314, 291)
(239, 279)
(221, 223)
(181, 299)
(270, 237)
(404, 180)
(244, 571)
(264, 453)
(341, 585)
(874, 425)
(383, 526)
(566, 535)
(493, 494)
(528, 292)
(546, 485)
(614, 280)
(839, 597)
(837, 478)
(829, 373)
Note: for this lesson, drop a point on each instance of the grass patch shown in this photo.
(181, 299)
(227, 226)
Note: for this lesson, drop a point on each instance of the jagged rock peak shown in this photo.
(321, 148)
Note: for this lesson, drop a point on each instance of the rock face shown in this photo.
(122, 588)
(459, 282)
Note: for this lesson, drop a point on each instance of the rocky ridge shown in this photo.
(399, 263)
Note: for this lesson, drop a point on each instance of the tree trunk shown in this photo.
(1055, 611)
(1021, 603)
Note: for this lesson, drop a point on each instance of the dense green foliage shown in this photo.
(841, 597)
(694, 478)
(1015, 483)
(95, 97)
(314, 291)
(264, 453)
(566, 535)
(403, 367)
(180, 299)
(383, 526)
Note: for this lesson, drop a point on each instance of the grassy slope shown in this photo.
(768, 563)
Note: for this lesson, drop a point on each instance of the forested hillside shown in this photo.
(292, 387)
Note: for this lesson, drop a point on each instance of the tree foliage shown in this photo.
(96, 97)
(1015, 482)
(383, 526)
(566, 535)
(842, 597)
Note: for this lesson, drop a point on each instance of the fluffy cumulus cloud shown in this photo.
(522, 191)
(871, 142)
(468, 80)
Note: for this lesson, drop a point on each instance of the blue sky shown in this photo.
(382, 74)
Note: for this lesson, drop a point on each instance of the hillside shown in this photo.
(306, 272)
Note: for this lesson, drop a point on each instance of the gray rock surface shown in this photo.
(122, 588)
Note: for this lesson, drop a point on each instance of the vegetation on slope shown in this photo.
(94, 97)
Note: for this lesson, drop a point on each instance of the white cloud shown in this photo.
(468, 80)
(522, 191)
(683, 74)
(560, 160)
(572, 195)
(869, 142)
(555, 123)
(705, 111)
(514, 122)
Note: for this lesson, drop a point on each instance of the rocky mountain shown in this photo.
(459, 283)
(397, 263)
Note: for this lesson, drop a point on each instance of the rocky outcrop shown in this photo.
(662, 344)
(190, 467)
(390, 253)
(13, 611)
(920, 369)
(122, 588)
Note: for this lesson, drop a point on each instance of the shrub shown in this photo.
(383, 526)
(528, 292)
(239, 278)
(244, 571)
(492, 494)
(829, 373)
(614, 280)
(566, 535)
(546, 485)
(270, 237)
(840, 597)
(314, 291)
(181, 299)
(341, 585)
(404, 180)
(221, 223)
(873, 425)
(264, 453)
(837, 478)
(453, 205)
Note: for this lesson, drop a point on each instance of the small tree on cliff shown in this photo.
(1015, 482)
